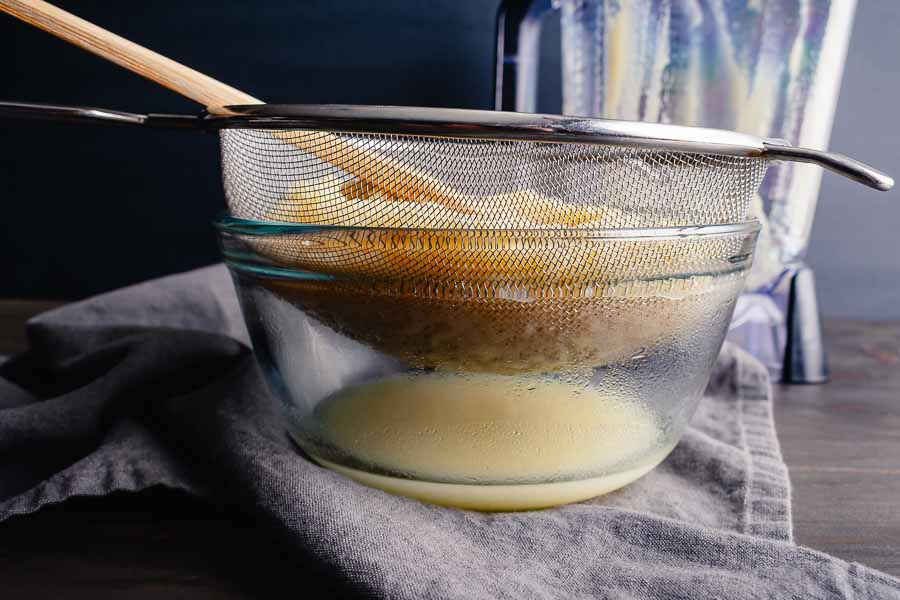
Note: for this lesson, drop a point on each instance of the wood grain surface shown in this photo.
(841, 442)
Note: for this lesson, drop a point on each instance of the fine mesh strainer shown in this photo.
(453, 169)
(377, 179)
(442, 168)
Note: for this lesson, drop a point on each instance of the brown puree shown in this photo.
(505, 301)
(500, 335)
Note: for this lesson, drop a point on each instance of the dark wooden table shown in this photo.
(841, 442)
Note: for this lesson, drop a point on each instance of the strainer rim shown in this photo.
(463, 123)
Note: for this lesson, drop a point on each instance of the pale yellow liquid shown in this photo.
(490, 442)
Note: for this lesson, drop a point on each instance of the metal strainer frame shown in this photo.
(460, 168)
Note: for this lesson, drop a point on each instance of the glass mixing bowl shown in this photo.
(487, 369)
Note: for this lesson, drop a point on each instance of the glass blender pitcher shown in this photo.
(771, 68)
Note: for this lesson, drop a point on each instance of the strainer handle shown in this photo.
(837, 163)
(84, 114)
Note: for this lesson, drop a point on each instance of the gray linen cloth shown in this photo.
(154, 385)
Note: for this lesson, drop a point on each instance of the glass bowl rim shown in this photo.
(227, 224)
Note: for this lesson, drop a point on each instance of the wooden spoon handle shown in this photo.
(393, 179)
(192, 84)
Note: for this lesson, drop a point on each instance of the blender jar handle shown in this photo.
(519, 25)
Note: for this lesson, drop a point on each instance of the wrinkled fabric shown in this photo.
(156, 385)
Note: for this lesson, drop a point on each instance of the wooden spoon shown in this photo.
(399, 182)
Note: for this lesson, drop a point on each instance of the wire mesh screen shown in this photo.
(377, 180)
(503, 264)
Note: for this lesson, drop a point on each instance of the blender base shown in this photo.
(805, 360)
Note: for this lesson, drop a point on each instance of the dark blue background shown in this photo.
(89, 208)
